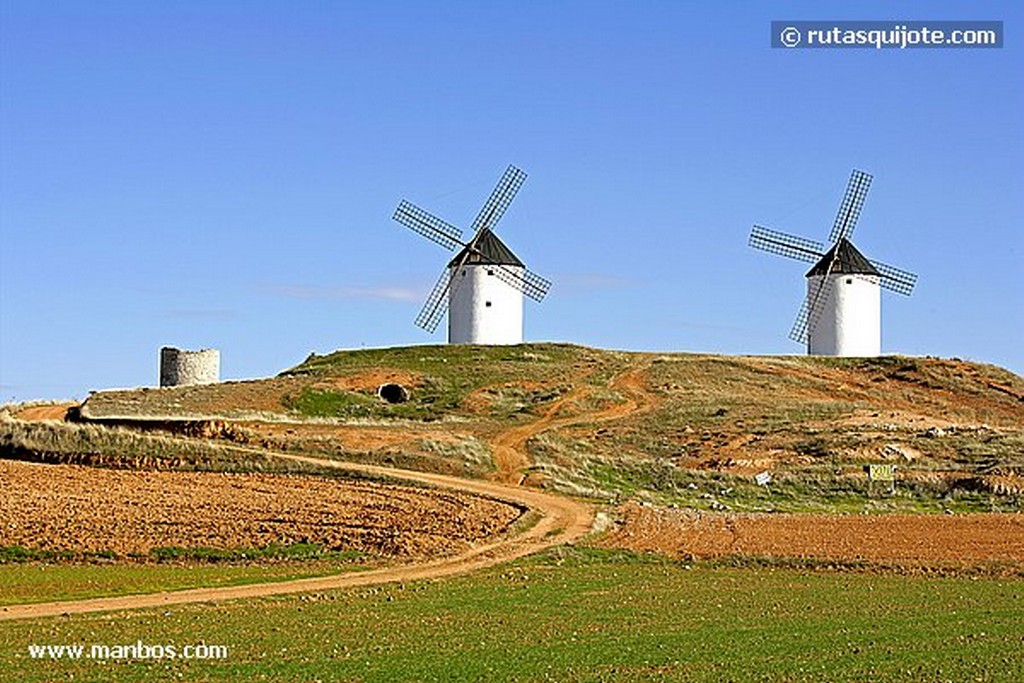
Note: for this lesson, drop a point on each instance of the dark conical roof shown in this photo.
(849, 261)
(489, 250)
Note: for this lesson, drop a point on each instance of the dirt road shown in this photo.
(509, 447)
(563, 521)
(55, 411)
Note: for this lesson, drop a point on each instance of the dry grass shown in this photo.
(65, 443)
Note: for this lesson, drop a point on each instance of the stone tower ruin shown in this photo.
(181, 368)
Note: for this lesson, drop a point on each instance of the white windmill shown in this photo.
(841, 315)
(483, 286)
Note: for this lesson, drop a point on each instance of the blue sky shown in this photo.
(222, 174)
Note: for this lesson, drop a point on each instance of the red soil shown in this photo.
(887, 539)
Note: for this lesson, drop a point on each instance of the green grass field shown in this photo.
(574, 615)
(44, 582)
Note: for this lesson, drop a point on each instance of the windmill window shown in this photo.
(487, 303)
(463, 273)
(490, 271)
(849, 280)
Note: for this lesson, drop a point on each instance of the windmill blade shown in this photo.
(894, 279)
(799, 332)
(849, 210)
(812, 307)
(428, 225)
(527, 282)
(775, 242)
(810, 313)
(500, 198)
(437, 303)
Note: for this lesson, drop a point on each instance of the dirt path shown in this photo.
(55, 411)
(509, 446)
(563, 521)
(637, 399)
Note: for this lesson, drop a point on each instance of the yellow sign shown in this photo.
(882, 472)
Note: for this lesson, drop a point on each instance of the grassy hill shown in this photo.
(683, 429)
(673, 430)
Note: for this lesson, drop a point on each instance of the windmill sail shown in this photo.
(437, 303)
(502, 195)
(775, 242)
(894, 279)
(849, 210)
(431, 227)
(812, 307)
(527, 281)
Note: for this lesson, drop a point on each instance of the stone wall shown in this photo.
(181, 368)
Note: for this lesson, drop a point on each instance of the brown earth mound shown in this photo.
(370, 380)
(916, 540)
(353, 438)
(56, 411)
(89, 510)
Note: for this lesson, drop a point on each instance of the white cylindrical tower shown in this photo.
(482, 307)
(848, 319)
(850, 322)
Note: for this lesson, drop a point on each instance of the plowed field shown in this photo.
(912, 540)
(89, 510)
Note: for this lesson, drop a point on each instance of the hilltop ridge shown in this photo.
(697, 425)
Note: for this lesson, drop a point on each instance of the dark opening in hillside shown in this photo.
(393, 393)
